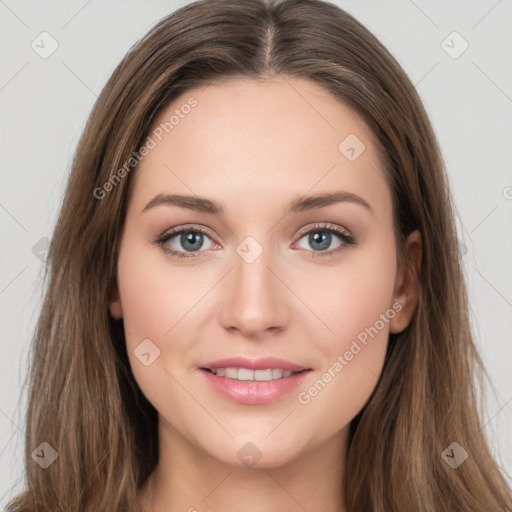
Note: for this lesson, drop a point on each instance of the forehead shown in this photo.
(271, 139)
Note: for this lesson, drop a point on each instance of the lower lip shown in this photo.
(254, 391)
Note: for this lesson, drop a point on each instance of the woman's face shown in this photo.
(311, 282)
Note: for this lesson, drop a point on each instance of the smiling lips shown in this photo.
(253, 381)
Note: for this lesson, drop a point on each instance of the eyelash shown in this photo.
(347, 240)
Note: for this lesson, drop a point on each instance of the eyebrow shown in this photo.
(301, 204)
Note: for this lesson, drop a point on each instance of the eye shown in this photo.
(191, 239)
(320, 238)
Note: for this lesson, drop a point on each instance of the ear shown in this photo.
(406, 284)
(114, 303)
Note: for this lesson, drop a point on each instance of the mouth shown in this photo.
(247, 374)
(253, 387)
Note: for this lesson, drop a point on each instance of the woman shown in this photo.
(197, 349)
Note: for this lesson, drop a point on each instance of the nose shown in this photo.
(255, 302)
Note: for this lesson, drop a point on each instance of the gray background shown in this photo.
(45, 102)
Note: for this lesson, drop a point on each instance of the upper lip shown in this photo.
(254, 364)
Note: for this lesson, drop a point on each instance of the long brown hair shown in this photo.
(83, 399)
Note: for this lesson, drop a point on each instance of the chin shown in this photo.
(256, 453)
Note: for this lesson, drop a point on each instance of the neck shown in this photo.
(187, 478)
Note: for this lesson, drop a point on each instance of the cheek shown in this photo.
(356, 306)
(144, 299)
(157, 302)
(350, 296)
(157, 306)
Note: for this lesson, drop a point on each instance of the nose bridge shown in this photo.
(254, 301)
(252, 276)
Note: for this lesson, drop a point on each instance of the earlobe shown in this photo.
(406, 284)
(114, 303)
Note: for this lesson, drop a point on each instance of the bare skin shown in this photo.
(254, 147)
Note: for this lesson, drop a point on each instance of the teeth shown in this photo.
(246, 374)
(265, 374)
(231, 373)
